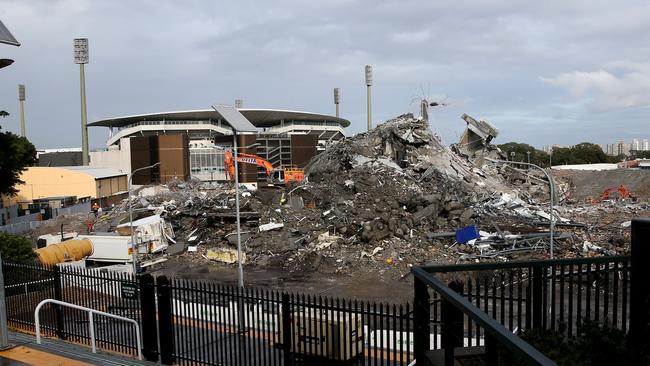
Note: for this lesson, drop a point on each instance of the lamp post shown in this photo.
(134, 248)
(81, 58)
(369, 85)
(552, 189)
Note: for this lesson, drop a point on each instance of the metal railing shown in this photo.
(519, 295)
(452, 336)
(27, 285)
(546, 293)
(91, 322)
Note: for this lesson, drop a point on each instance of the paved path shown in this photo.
(58, 353)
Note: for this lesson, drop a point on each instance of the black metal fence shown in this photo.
(197, 322)
(202, 323)
(212, 324)
(555, 294)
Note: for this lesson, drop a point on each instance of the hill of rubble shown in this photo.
(383, 200)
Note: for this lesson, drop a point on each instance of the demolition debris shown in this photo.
(387, 199)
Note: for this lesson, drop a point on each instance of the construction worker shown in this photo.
(95, 208)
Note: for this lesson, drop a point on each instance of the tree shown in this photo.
(537, 157)
(4, 114)
(16, 249)
(16, 154)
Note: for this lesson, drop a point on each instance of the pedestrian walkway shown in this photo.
(58, 353)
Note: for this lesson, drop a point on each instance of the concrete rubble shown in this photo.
(382, 200)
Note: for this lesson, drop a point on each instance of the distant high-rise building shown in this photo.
(645, 145)
(635, 145)
(620, 148)
(612, 149)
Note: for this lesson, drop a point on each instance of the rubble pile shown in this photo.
(387, 199)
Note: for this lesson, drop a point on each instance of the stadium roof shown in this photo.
(258, 117)
(6, 36)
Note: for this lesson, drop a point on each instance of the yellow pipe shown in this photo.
(67, 251)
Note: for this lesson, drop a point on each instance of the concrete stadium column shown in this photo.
(247, 172)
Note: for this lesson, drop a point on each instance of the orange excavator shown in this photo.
(623, 193)
(280, 176)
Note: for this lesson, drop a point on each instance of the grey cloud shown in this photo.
(511, 62)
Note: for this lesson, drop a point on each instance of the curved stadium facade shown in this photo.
(281, 135)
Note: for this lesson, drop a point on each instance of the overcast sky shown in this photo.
(543, 72)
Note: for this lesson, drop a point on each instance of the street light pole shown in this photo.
(240, 268)
(552, 189)
(134, 256)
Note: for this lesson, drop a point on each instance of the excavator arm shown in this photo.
(229, 162)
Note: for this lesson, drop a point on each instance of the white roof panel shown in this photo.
(6, 36)
(98, 173)
(235, 119)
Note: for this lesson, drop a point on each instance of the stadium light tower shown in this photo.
(337, 100)
(81, 58)
(369, 85)
(21, 98)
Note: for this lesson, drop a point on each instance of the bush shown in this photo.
(16, 249)
(594, 345)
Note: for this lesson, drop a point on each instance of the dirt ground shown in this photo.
(380, 286)
(586, 184)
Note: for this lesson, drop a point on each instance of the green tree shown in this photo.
(588, 153)
(537, 157)
(16, 154)
(16, 249)
(582, 153)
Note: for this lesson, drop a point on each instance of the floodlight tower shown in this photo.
(21, 98)
(81, 58)
(337, 100)
(369, 85)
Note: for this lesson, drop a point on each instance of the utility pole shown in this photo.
(369, 85)
(21, 98)
(337, 100)
(81, 58)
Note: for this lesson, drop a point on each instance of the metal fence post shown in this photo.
(58, 311)
(165, 325)
(537, 284)
(452, 325)
(491, 350)
(4, 331)
(148, 314)
(421, 317)
(639, 286)
(286, 329)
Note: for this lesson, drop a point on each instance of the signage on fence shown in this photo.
(129, 291)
